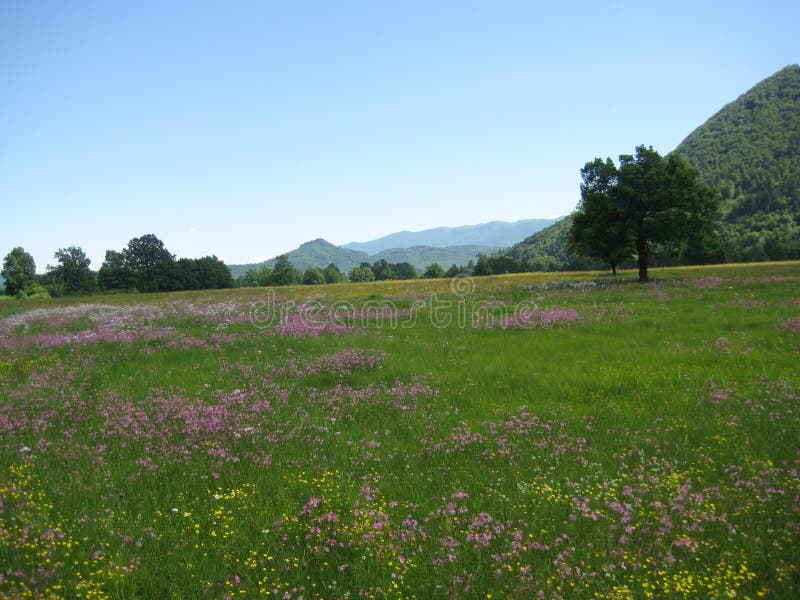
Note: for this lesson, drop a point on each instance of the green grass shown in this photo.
(163, 446)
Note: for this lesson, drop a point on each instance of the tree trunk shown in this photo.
(641, 250)
(614, 269)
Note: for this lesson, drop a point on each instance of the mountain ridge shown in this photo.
(320, 253)
(749, 151)
(493, 233)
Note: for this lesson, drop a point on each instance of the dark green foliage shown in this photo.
(72, 275)
(458, 270)
(285, 273)
(361, 273)
(114, 273)
(750, 152)
(147, 266)
(19, 272)
(151, 264)
(433, 271)
(648, 201)
(383, 270)
(598, 225)
(404, 270)
(333, 274)
(313, 276)
(260, 277)
(207, 273)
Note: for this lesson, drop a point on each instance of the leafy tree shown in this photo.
(214, 274)
(260, 277)
(19, 271)
(361, 273)
(648, 200)
(333, 274)
(114, 273)
(284, 273)
(458, 270)
(205, 273)
(598, 226)
(483, 266)
(433, 271)
(313, 276)
(72, 274)
(383, 270)
(404, 270)
(151, 264)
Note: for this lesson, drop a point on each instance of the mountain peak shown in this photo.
(498, 234)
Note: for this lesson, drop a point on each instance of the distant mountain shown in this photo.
(316, 253)
(320, 253)
(750, 152)
(496, 233)
(422, 256)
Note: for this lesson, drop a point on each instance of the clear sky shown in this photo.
(243, 129)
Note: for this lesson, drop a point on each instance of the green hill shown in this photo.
(316, 253)
(422, 256)
(497, 234)
(320, 253)
(750, 152)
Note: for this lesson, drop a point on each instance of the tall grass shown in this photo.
(606, 440)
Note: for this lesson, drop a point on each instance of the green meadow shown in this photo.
(570, 435)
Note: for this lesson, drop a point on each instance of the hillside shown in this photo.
(320, 253)
(499, 234)
(750, 152)
(316, 253)
(422, 256)
(546, 250)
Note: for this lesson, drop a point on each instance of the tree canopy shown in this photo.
(647, 200)
(19, 271)
(72, 274)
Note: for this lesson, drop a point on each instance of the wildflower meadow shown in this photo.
(521, 436)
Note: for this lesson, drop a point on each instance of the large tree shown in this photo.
(333, 274)
(647, 200)
(152, 265)
(19, 271)
(72, 274)
(598, 225)
(114, 274)
(285, 273)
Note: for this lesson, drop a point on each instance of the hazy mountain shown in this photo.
(320, 253)
(499, 234)
(316, 253)
(750, 152)
(422, 256)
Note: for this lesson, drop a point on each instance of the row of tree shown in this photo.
(284, 273)
(636, 209)
(145, 265)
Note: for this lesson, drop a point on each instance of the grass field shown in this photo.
(521, 436)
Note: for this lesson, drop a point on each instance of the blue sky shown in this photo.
(243, 129)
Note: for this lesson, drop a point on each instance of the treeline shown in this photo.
(284, 273)
(144, 265)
